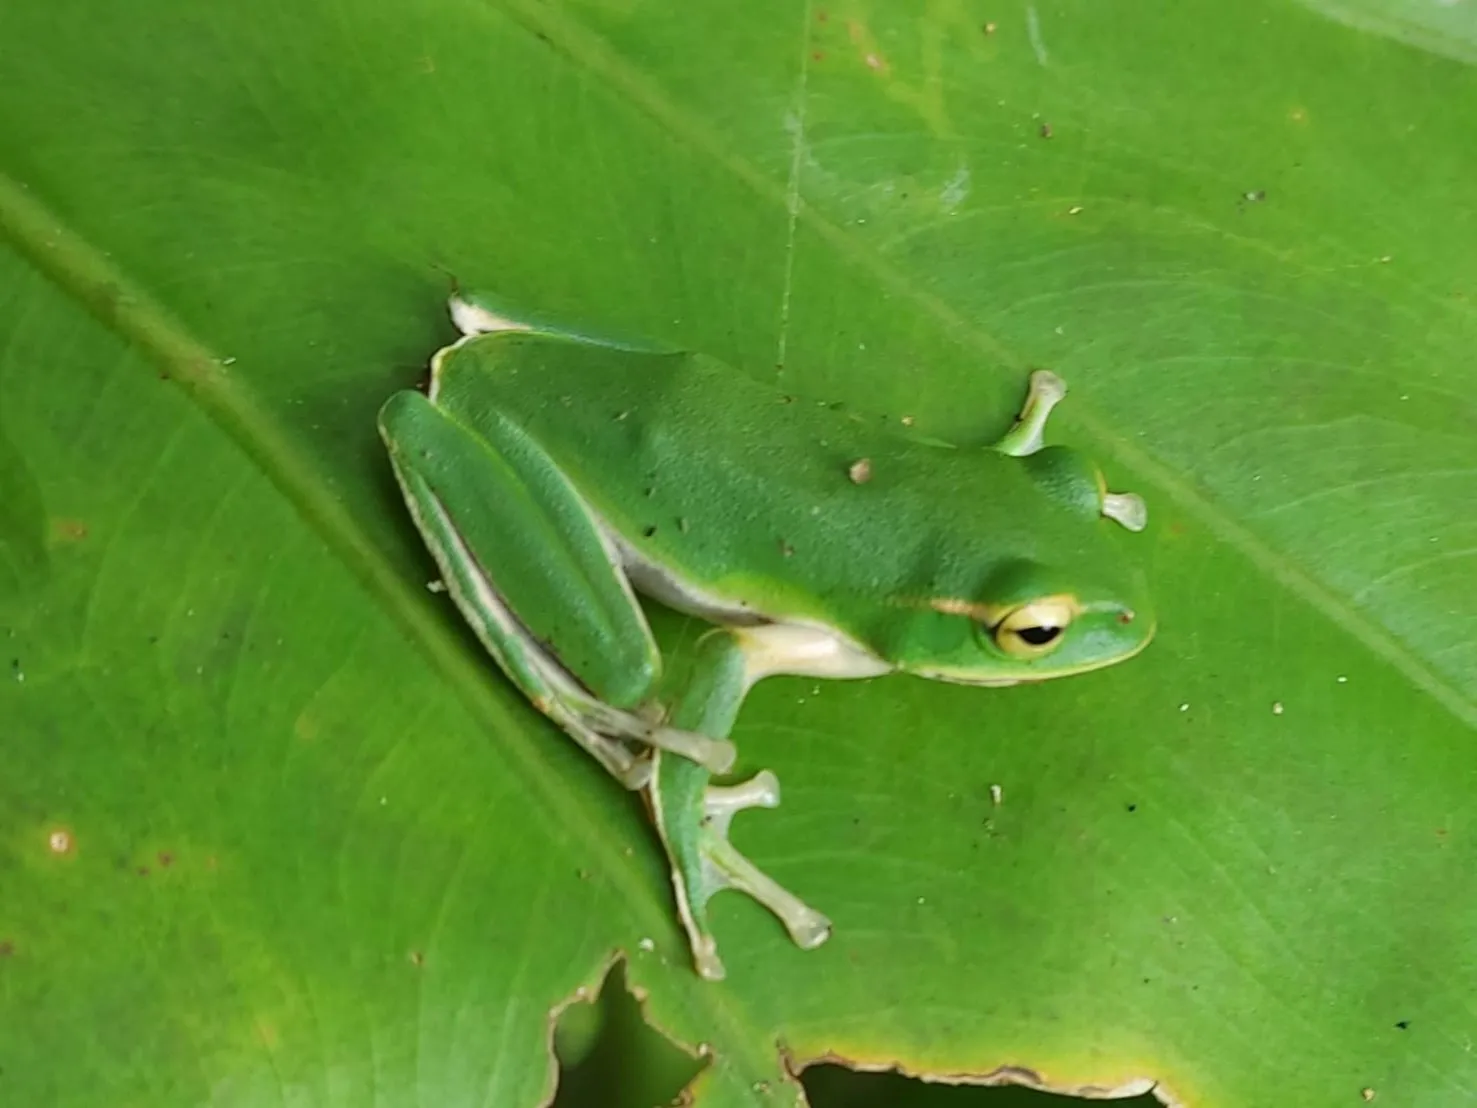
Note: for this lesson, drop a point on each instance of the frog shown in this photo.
(564, 480)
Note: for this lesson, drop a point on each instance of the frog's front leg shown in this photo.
(535, 577)
(692, 815)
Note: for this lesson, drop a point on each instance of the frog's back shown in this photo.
(780, 504)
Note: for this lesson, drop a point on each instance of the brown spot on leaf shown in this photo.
(68, 530)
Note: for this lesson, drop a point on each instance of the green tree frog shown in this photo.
(555, 475)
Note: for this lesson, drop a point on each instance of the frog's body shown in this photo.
(552, 474)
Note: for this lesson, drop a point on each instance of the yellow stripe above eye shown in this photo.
(988, 614)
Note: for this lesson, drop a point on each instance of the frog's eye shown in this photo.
(1036, 628)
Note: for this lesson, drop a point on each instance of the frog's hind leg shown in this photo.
(481, 312)
(530, 570)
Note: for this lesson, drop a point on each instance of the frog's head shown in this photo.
(1059, 597)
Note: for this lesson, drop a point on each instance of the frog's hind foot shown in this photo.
(807, 927)
(693, 818)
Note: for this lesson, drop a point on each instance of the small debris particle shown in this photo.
(582, 874)
(1132, 807)
(1046, 130)
(1255, 196)
(786, 549)
(60, 842)
(1366, 1093)
(622, 415)
(860, 471)
(682, 524)
(1185, 707)
(1075, 209)
(922, 900)
(874, 62)
(437, 585)
(649, 531)
(1277, 707)
(417, 958)
(1386, 259)
(990, 27)
(228, 361)
(15, 666)
(1402, 1025)
(907, 421)
(997, 795)
(648, 945)
(1343, 680)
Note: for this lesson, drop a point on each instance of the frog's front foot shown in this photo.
(693, 818)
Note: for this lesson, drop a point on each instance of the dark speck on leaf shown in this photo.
(1046, 130)
(649, 531)
(1403, 1025)
(1133, 807)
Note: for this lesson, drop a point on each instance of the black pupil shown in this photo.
(1039, 636)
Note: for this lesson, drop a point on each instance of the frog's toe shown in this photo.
(714, 755)
(1127, 509)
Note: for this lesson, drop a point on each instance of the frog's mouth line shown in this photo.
(964, 677)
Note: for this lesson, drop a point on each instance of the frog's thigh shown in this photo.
(528, 567)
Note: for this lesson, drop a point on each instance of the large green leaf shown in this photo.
(272, 830)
